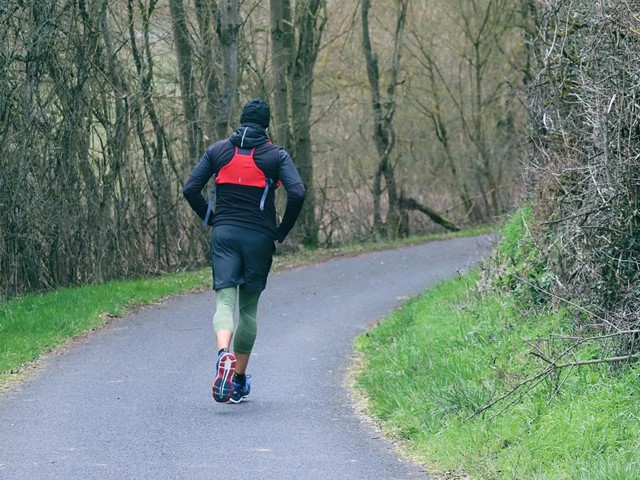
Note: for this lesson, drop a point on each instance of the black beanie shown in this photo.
(256, 111)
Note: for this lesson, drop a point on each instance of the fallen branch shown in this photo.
(536, 378)
(553, 366)
(598, 337)
(412, 204)
(595, 361)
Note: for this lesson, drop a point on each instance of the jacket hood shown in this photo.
(249, 135)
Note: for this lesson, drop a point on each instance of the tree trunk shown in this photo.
(228, 28)
(208, 15)
(282, 39)
(155, 152)
(412, 204)
(383, 128)
(297, 68)
(184, 53)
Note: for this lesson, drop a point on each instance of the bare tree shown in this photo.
(383, 113)
(219, 26)
(474, 73)
(202, 81)
(184, 51)
(283, 45)
(228, 28)
(384, 134)
(208, 17)
(103, 110)
(89, 180)
(296, 42)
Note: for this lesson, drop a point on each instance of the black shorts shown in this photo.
(240, 257)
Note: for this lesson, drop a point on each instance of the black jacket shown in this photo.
(238, 204)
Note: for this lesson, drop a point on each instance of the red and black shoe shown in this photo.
(223, 385)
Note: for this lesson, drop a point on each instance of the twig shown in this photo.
(596, 361)
(540, 375)
(595, 338)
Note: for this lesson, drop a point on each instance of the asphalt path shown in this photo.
(133, 401)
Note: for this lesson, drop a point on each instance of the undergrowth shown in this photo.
(481, 377)
(437, 361)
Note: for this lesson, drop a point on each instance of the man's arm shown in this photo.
(296, 192)
(198, 178)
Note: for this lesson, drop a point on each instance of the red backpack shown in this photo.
(241, 170)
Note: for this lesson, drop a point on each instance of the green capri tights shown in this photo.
(245, 333)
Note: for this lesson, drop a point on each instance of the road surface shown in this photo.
(133, 401)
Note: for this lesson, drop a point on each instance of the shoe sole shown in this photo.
(222, 386)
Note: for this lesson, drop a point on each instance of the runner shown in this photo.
(241, 209)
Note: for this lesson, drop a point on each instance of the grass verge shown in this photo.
(448, 352)
(35, 324)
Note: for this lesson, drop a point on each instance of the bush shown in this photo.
(586, 160)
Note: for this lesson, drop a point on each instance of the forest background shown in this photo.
(402, 117)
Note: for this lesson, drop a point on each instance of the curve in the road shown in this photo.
(133, 401)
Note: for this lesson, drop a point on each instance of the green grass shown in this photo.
(34, 324)
(445, 354)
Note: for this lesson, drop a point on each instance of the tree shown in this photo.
(383, 112)
(384, 135)
(184, 51)
(471, 76)
(89, 180)
(219, 26)
(296, 42)
(216, 89)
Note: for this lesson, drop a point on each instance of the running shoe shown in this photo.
(223, 385)
(240, 390)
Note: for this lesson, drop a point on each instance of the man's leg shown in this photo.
(226, 266)
(243, 343)
(247, 329)
(226, 299)
(223, 326)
